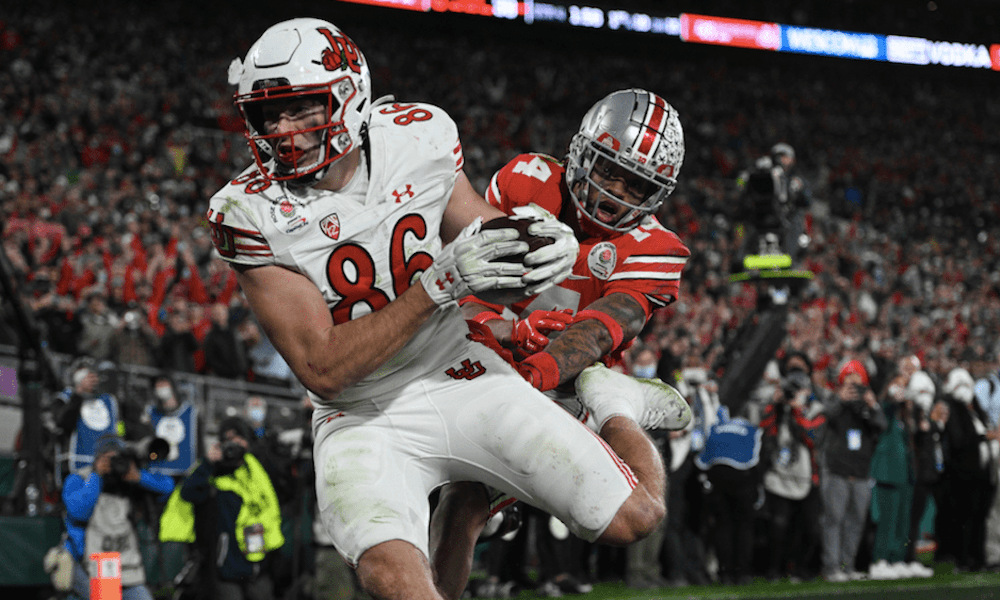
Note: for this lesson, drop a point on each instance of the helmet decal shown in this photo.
(655, 116)
(342, 53)
(606, 138)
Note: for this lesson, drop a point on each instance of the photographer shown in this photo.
(791, 425)
(82, 414)
(231, 488)
(99, 506)
(177, 421)
(854, 422)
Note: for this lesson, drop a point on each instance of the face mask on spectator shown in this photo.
(960, 385)
(644, 371)
(257, 414)
(694, 375)
(963, 394)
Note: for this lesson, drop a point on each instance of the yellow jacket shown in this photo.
(260, 505)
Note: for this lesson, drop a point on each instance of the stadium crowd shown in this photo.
(115, 131)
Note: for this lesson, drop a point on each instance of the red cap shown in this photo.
(853, 366)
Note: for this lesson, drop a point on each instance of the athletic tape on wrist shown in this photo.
(543, 370)
(617, 335)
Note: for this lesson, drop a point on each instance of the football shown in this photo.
(508, 296)
(521, 224)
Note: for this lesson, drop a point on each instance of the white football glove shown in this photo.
(553, 263)
(464, 266)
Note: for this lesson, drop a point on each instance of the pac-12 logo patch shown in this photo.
(330, 225)
(602, 259)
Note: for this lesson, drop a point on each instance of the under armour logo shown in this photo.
(447, 277)
(469, 370)
(398, 195)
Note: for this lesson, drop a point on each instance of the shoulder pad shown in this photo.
(236, 227)
(415, 137)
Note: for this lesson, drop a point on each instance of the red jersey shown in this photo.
(644, 263)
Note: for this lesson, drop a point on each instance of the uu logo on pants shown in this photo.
(469, 370)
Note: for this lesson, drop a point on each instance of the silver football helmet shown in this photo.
(639, 133)
(307, 59)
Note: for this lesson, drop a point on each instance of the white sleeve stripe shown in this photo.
(668, 260)
(495, 187)
(645, 275)
(659, 300)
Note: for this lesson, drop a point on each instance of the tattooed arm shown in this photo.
(572, 350)
(585, 342)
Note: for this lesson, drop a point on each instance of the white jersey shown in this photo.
(365, 244)
(444, 408)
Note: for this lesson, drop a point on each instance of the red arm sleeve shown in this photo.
(196, 287)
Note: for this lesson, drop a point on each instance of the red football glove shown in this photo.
(531, 334)
(478, 332)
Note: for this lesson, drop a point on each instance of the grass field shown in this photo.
(945, 585)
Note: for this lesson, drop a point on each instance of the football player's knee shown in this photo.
(653, 518)
(394, 569)
(638, 518)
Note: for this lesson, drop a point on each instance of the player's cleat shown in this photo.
(649, 402)
(503, 523)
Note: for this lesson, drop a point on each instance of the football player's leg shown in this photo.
(511, 437)
(396, 570)
(646, 506)
(375, 510)
(458, 519)
(623, 407)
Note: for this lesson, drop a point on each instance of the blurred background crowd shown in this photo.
(117, 127)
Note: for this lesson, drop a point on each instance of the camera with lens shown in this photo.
(232, 453)
(140, 452)
(121, 462)
(794, 382)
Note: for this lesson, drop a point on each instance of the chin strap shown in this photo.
(313, 178)
(366, 149)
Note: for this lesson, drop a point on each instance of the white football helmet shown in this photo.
(637, 131)
(300, 58)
